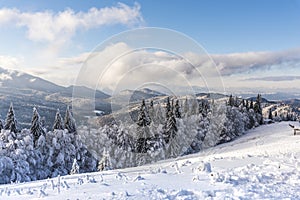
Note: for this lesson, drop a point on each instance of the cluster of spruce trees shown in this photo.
(174, 127)
(36, 153)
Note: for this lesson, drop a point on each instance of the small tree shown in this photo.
(36, 127)
(177, 110)
(143, 132)
(231, 100)
(104, 164)
(75, 167)
(58, 121)
(270, 114)
(69, 121)
(171, 128)
(11, 123)
(168, 107)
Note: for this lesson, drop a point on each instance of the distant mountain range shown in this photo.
(26, 91)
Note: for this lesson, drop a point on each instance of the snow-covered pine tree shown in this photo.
(177, 109)
(11, 123)
(251, 104)
(69, 121)
(75, 167)
(36, 128)
(258, 109)
(171, 128)
(270, 114)
(143, 132)
(168, 107)
(143, 115)
(247, 105)
(58, 121)
(151, 110)
(231, 101)
(105, 163)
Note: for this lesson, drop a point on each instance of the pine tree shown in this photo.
(143, 116)
(58, 121)
(69, 121)
(258, 108)
(11, 123)
(36, 127)
(75, 167)
(170, 127)
(251, 105)
(231, 101)
(247, 105)
(168, 108)
(104, 164)
(143, 131)
(270, 114)
(177, 109)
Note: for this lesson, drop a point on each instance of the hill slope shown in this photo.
(264, 163)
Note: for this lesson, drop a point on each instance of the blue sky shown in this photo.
(230, 29)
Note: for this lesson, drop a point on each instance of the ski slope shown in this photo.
(262, 164)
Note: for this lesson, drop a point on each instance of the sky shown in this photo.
(253, 44)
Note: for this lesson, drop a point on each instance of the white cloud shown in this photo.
(10, 62)
(48, 26)
(239, 63)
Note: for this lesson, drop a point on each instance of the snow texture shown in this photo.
(262, 164)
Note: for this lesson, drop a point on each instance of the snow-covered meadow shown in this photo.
(262, 164)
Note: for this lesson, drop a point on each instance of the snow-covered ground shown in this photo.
(263, 164)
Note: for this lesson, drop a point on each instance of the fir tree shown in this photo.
(270, 114)
(143, 131)
(69, 121)
(247, 104)
(143, 116)
(236, 102)
(58, 121)
(231, 101)
(36, 127)
(170, 127)
(258, 108)
(75, 167)
(177, 109)
(251, 105)
(104, 164)
(168, 108)
(11, 123)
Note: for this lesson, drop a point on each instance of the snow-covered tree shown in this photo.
(168, 107)
(171, 128)
(58, 123)
(143, 132)
(69, 121)
(105, 163)
(36, 128)
(10, 122)
(177, 109)
(258, 109)
(270, 114)
(75, 167)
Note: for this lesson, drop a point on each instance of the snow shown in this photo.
(262, 164)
